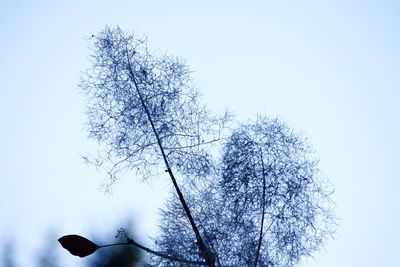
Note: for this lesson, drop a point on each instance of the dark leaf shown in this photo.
(78, 245)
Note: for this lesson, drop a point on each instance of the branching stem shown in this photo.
(206, 253)
(157, 253)
(263, 211)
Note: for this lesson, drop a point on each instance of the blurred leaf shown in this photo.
(78, 245)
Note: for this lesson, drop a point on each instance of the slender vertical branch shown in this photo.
(277, 215)
(205, 251)
(263, 211)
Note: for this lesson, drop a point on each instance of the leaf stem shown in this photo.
(157, 253)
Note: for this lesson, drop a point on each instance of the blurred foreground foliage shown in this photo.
(47, 255)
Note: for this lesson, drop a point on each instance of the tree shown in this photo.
(260, 203)
(147, 112)
(265, 206)
(8, 254)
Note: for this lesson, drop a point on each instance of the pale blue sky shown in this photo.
(328, 68)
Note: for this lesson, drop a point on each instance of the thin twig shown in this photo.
(263, 211)
(157, 253)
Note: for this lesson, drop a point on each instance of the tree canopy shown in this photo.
(265, 205)
(245, 194)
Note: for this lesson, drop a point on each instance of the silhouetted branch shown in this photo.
(205, 251)
(263, 209)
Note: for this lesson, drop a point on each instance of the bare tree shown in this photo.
(267, 204)
(146, 112)
(262, 203)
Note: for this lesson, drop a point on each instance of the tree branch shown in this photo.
(206, 253)
(263, 211)
(157, 253)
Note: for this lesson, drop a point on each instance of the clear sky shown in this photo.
(328, 68)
